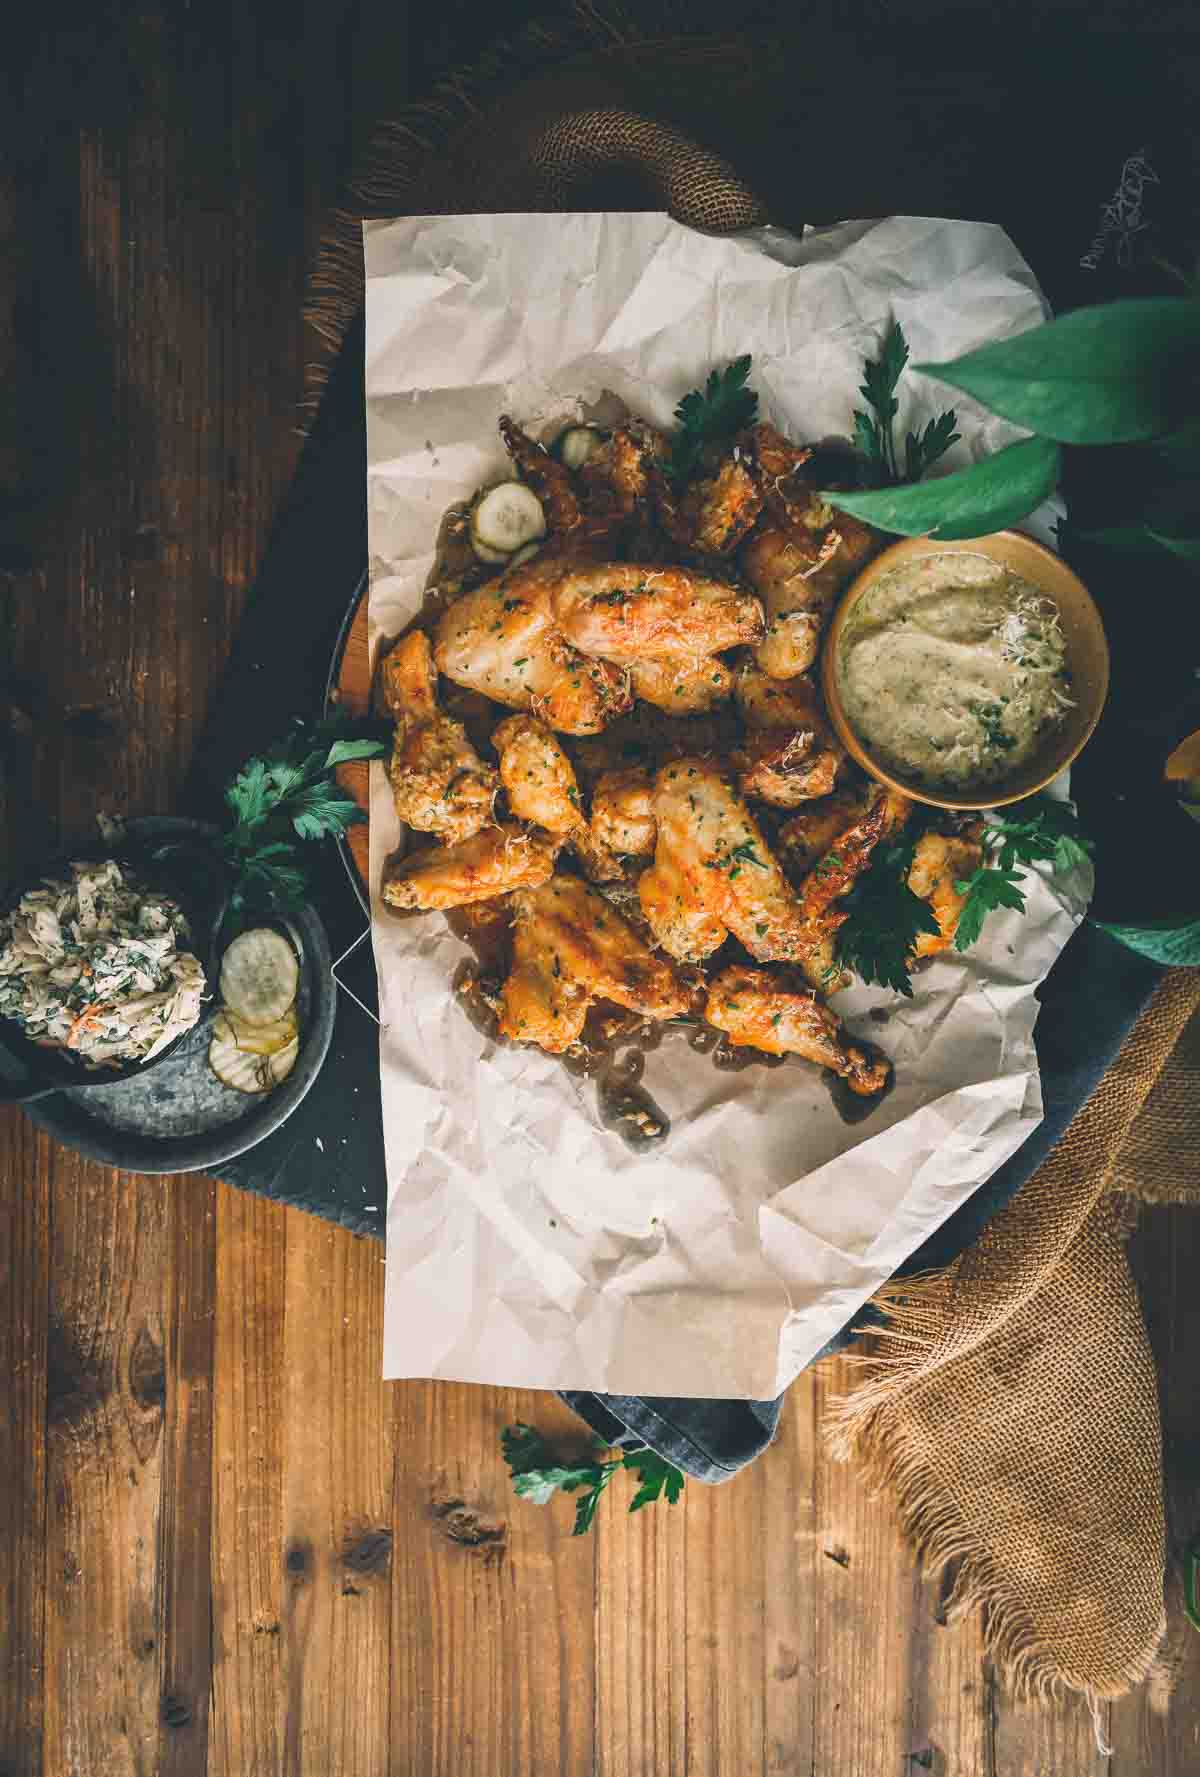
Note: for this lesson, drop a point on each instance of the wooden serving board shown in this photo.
(354, 697)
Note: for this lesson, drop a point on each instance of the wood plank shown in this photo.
(953, 1689)
(866, 1598)
(336, 1493)
(24, 1303)
(107, 1384)
(492, 1599)
(1156, 1731)
(247, 1528)
(642, 1677)
(183, 1604)
(1044, 1736)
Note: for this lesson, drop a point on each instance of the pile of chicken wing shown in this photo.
(668, 793)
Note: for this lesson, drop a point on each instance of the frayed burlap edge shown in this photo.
(900, 1354)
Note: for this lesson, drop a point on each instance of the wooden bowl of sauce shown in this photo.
(965, 674)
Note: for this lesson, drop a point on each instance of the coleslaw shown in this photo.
(93, 966)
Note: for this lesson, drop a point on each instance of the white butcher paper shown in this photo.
(526, 1244)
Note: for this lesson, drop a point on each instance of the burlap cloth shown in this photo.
(1011, 1404)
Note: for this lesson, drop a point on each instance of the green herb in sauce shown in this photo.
(953, 670)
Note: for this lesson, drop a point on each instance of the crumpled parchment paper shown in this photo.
(526, 1244)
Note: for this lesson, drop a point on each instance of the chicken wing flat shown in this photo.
(713, 873)
(682, 685)
(570, 947)
(752, 1008)
(792, 755)
(502, 640)
(786, 769)
(491, 862)
(623, 812)
(439, 783)
(938, 863)
(537, 775)
(627, 611)
(813, 831)
(839, 869)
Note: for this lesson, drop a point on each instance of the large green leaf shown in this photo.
(970, 503)
(1108, 375)
(1177, 945)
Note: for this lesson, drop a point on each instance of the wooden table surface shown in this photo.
(225, 1545)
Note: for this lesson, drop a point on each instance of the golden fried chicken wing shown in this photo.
(800, 557)
(753, 1008)
(617, 474)
(775, 456)
(537, 775)
(791, 755)
(541, 786)
(623, 813)
(491, 862)
(834, 873)
(439, 783)
(502, 639)
(940, 861)
(632, 611)
(597, 511)
(713, 872)
(838, 870)
(571, 947)
(719, 506)
(550, 480)
(786, 769)
(764, 702)
(814, 829)
(682, 685)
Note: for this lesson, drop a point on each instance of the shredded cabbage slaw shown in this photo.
(94, 966)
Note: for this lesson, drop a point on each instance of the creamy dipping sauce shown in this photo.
(953, 670)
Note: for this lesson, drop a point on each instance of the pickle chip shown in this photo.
(280, 1065)
(259, 976)
(262, 1039)
(235, 1066)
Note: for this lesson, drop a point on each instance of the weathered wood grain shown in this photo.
(24, 1301)
(182, 1605)
(336, 1498)
(246, 1564)
(493, 1601)
(1156, 1732)
(106, 1394)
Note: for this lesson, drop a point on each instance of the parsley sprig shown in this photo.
(885, 919)
(287, 796)
(1039, 830)
(723, 408)
(536, 1475)
(278, 804)
(875, 435)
